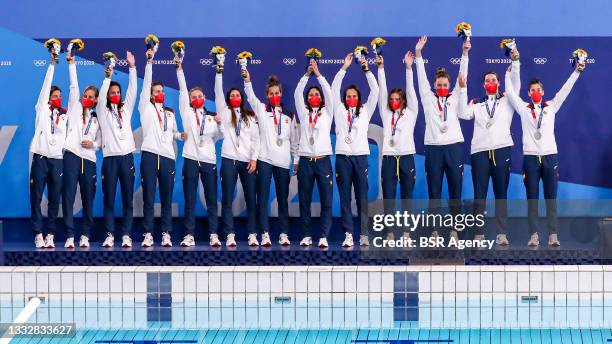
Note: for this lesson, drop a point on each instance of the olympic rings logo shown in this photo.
(454, 60)
(540, 60)
(289, 61)
(39, 63)
(206, 62)
(122, 62)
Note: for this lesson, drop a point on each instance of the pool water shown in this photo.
(393, 336)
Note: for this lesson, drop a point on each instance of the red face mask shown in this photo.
(235, 102)
(197, 103)
(395, 104)
(115, 99)
(275, 100)
(536, 96)
(442, 92)
(56, 103)
(352, 102)
(491, 88)
(159, 98)
(87, 103)
(314, 101)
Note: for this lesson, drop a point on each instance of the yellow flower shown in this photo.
(152, 37)
(217, 49)
(463, 26)
(245, 55)
(313, 52)
(177, 45)
(580, 52)
(362, 49)
(378, 41)
(50, 42)
(78, 44)
(505, 41)
(110, 55)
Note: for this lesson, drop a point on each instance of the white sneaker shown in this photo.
(348, 240)
(253, 240)
(189, 241)
(306, 241)
(553, 240)
(501, 240)
(49, 241)
(283, 240)
(69, 243)
(364, 240)
(148, 240)
(453, 235)
(231, 240)
(323, 243)
(534, 240)
(39, 242)
(109, 241)
(265, 240)
(84, 242)
(126, 241)
(166, 240)
(214, 240)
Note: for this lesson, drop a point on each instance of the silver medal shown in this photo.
(489, 124)
(311, 140)
(444, 128)
(201, 143)
(279, 142)
(538, 135)
(164, 138)
(52, 141)
(391, 142)
(348, 140)
(121, 135)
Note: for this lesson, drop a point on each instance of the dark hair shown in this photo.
(196, 88)
(442, 73)
(320, 92)
(484, 76)
(352, 87)
(108, 103)
(243, 108)
(402, 96)
(535, 81)
(53, 89)
(273, 81)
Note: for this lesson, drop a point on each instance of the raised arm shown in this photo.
(43, 97)
(250, 93)
(465, 110)
(327, 92)
(337, 82)
(370, 104)
(463, 65)
(411, 97)
(382, 85)
(516, 72)
(565, 90)
(73, 97)
(220, 104)
(298, 95)
(424, 88)
(183, 92)
(130, 95)
(145, 93)
(515, 100)
(102, 96)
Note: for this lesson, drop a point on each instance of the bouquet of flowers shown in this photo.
(178, 48)
(580, 56)
(243, 59)
(75, 45)
(110, 59)
(377, 44)
(55, 47)
(360, 51)
(508, 44)
(464, 30)
(219, 53)
(152, 42)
